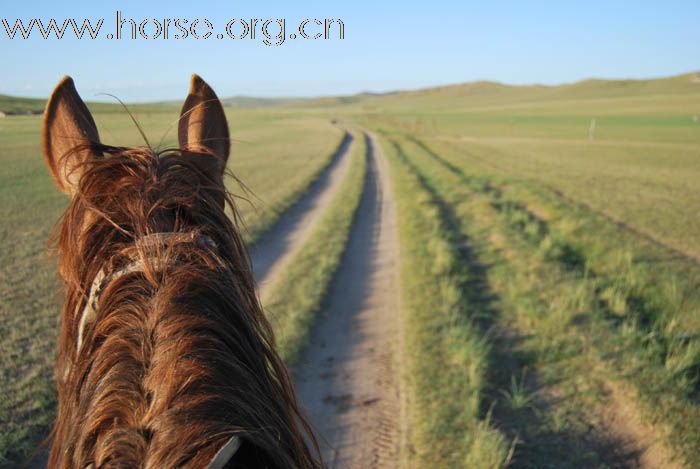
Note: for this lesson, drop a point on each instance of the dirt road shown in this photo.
(271, 253)
(347, 378)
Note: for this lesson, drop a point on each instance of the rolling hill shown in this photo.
(472, 94)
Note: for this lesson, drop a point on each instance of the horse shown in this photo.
(165, 357)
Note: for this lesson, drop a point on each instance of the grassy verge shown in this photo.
(445, 352)
(593, 309)
(532, 394)
(300, 292)
(266, 216)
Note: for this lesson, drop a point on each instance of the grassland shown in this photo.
(549, 273)
(605, 307)
(578, 267)
(563, 334)
(446, 355)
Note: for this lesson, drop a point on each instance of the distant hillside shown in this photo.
(253, 102)
(18, 105)
(473, 94)
(15, 105)
(486, 93)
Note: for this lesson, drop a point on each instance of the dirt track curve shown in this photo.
(275, 248)
(347, 378)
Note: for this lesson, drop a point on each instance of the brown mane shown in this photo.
(180, 357)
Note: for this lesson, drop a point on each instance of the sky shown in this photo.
(387, 45)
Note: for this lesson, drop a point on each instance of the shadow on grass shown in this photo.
(516, 401)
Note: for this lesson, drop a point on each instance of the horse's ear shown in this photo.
(68, 133)
(203, 125)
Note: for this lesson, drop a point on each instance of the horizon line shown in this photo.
(391, 91)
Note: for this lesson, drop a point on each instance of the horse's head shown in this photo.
(117, 182)
(120, 194)
(165, 358)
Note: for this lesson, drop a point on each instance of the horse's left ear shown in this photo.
(68, 133)
(203, 125)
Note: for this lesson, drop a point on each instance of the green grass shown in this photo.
(298, 296)
(545, 435)
(648, 186)
(590, 304)
(518, 396)
(445, 351)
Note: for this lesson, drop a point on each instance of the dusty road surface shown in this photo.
(276, 247)
(347, 378)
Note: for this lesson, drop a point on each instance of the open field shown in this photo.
(548, 269)
(578, 264)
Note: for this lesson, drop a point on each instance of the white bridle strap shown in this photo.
(89, 312)
(225, 454)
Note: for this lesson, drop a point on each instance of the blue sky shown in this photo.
(388, 45)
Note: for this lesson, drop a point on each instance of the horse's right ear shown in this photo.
(202, 124)
(67, 135)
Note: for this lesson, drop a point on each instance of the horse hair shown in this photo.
(180, 357)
